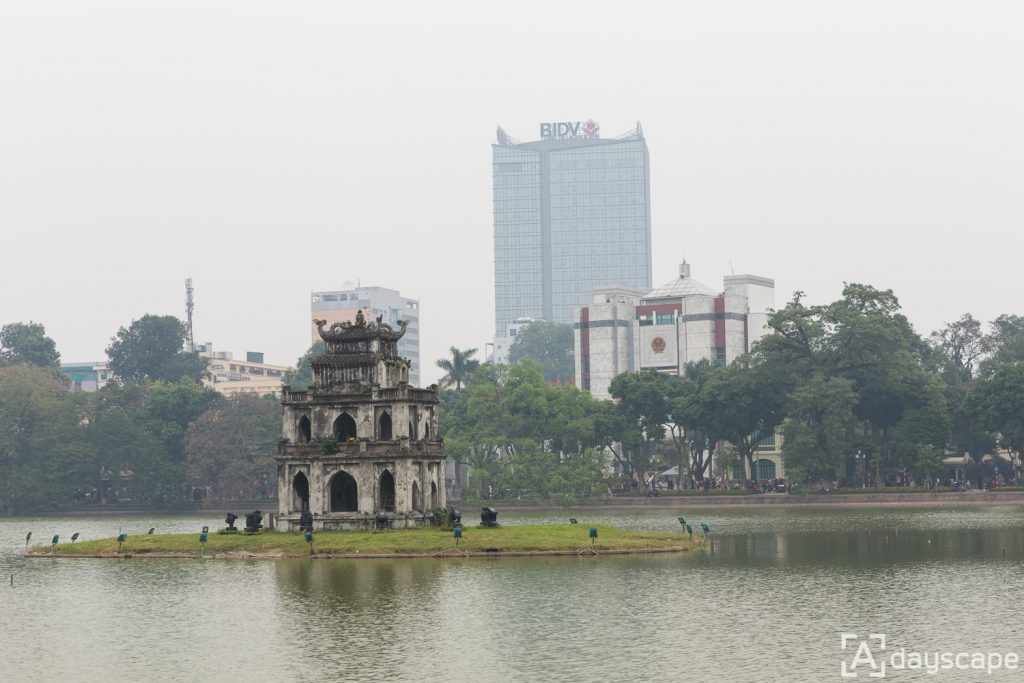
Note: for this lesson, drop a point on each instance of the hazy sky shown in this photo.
(268, 149)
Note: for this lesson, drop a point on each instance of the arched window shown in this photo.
(305, 430)
(344, 428)
(384, 427)
(344, 493)
(417, 504)
(300, 493)
(433, 495)
(426, 430)
(765, 468)
(412, 431)
(387, 491)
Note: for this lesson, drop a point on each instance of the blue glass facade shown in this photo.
(569, 216)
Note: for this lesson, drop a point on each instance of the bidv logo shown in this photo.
(570, 129)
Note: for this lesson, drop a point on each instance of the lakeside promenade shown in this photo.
(865, 500)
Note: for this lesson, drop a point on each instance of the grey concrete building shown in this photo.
(571, 214)
(361, 440)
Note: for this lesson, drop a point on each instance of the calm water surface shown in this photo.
(765, 601)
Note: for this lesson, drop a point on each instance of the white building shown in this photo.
(342, 305)
(503, 342)
(626, 330)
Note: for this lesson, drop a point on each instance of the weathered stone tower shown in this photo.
(360, 440)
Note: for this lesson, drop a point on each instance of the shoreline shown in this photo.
(776, 500)
(783, 500)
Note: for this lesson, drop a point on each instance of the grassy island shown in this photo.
(553, 539)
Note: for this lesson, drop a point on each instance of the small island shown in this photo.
(552, 539)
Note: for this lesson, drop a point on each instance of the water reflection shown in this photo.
(763, 601)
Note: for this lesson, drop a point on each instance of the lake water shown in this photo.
(765, 600)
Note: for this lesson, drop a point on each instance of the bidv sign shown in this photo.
(570, 129)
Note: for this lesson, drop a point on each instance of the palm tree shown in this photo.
(459, 367)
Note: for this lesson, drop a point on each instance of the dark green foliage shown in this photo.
(998, 403)
(125, 442)
(44, 455)
(27, 343)
(523, 437)
(548, 344)
(152, 348)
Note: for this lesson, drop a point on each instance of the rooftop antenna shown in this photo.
(732, 271)
(189, 305)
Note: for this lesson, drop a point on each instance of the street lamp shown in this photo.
(860, 458)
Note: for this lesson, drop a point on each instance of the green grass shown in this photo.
(424, 541)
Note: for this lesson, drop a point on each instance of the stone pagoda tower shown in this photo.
(360, 440)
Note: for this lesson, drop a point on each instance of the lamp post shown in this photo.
(860, 458)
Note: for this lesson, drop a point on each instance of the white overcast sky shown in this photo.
(268, 149)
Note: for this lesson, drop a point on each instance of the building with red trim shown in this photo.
(627, 330)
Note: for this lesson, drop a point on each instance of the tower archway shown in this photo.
(386, 487)
(384, 431)
(344, 493)
(433, 495)
(300, 493)
(344, 428)
(305, 430)
(417, 503)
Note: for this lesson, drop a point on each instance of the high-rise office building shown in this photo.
(571, 214)
(342, 306)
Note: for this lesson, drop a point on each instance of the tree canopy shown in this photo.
(549, 344)
(27, 343)
(152, 347)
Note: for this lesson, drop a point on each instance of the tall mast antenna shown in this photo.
(189, 305)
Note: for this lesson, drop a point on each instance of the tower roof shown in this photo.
(360, 329)
(682, 286)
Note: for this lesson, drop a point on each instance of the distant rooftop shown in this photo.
(579, 132)
(682, 286)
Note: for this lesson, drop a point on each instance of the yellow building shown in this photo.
(235, 376)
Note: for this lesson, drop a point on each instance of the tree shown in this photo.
(959, 347)
(230, 447)
(862, 338)
(746, 403)
(643, 400)
(154, 418)
(822, 428)
(998, 402)
(151, 347)
(301, 378)
(44, 457)
(458, 368)
(27, 343)
(1006, 343)
(693, 416)
(958, 351)
(523, 437)
(549, 344)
